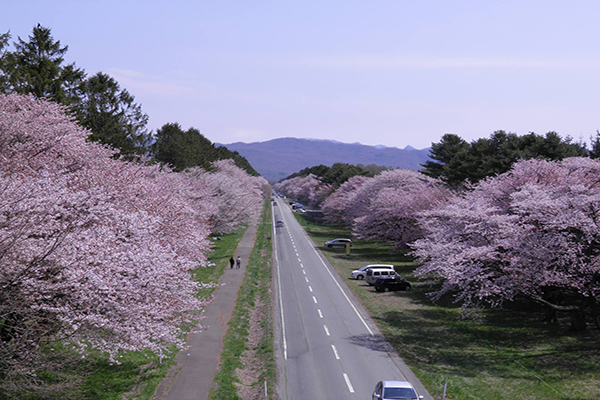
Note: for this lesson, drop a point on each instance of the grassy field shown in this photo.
(247, 359)
(509, 354)
(139, 373)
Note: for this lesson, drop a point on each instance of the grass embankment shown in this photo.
(247, 356)
(509, 354)
(139, 373)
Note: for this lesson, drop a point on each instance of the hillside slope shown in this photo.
(276, 159)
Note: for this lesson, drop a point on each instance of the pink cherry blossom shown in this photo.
(335, 206)
(94, 250)
(386, 207)
(531, 232)
(236, 195)
(308, 189)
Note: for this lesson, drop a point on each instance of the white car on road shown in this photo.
(395, 390)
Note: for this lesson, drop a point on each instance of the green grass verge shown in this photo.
(139, 373)
(509, 354)
(255, 289)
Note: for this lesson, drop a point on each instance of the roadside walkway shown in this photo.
(191, 378)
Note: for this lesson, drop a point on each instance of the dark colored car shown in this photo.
(389, 284)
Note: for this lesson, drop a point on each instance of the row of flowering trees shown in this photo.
(531, 233)
(97, 251)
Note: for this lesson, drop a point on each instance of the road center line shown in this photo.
(348, 383)
(326, 330)
(320, 313)
(335, 352)
(315, 300)
(280, 294)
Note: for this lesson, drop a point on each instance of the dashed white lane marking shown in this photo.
(280, 295)
(348, 383)
(315, 300)
(335, 352)
(304, 272)
(326, 330)
(299, 260)
(306, 279)
(320, 313)
(310, 288)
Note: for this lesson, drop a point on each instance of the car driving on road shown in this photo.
(385, 390)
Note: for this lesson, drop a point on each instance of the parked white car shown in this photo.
(361, 273)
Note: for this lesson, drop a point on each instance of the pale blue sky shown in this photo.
(395, 73)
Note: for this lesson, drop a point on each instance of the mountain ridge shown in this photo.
(278, 158)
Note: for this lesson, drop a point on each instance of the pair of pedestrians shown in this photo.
(237, 262)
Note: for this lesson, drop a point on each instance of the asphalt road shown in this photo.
(326, 345)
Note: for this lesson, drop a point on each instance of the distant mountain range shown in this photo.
(278, 158)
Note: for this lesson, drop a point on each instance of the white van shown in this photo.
(376, 273)
(361, 273)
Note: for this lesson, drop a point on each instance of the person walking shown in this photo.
(231, 262)
(238, 262)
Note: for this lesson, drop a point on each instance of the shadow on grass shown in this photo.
(508, 344)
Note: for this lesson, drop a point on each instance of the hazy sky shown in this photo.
(395, 73)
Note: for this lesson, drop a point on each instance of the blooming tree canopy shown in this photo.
(93, 250)
(386, 207)
(335, 205)
(235, 194)
(531, 232)
(307, 189)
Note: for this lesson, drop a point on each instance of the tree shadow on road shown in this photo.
(374, 343)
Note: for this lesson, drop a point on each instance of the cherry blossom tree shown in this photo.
(386, 207)
(335, 205)
(529, 233)
(393, 212)
(308, 189)
(236, 195)
(94, 251)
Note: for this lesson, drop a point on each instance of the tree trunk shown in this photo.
(578, 320)
(550, 316)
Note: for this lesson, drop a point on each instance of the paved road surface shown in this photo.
(326, 345)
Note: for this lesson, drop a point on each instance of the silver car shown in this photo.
(338, 243)
(385, 390)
